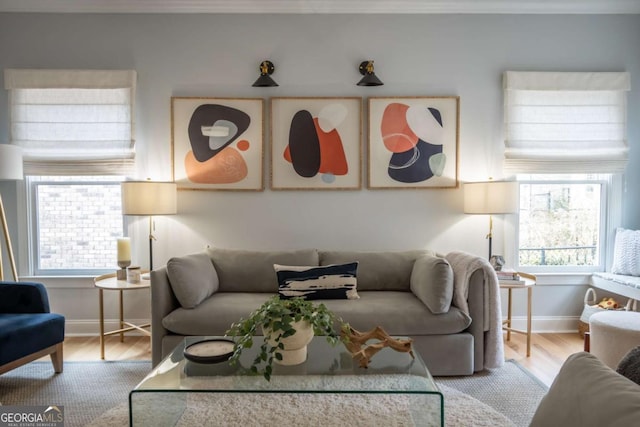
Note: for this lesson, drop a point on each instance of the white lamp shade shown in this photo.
(10, 162)
(491, 197)
(149, 198)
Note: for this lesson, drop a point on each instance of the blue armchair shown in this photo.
(28, 330)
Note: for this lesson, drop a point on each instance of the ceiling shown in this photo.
(324, 6)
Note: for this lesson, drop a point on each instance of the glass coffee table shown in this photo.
(329, 384)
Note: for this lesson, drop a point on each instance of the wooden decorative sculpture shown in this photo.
(356, 343)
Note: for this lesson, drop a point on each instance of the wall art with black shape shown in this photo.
(316, 143)
(217, 143)
(413, 142)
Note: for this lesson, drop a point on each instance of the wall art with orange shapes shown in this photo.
(316, 143)
(217, 143)
(413, 142)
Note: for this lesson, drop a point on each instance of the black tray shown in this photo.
(203, 351)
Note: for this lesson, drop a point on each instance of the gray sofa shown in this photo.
(408, 293)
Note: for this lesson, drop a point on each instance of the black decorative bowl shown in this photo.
(209, 351)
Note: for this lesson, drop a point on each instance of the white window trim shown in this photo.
(612, 218)
(27, 234)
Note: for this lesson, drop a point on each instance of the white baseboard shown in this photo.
(90, 327)
(547, 324)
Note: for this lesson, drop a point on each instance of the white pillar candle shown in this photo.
(124, 249)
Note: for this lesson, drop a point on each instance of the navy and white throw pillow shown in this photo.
(336, 281)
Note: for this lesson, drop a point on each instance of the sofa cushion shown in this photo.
(586, 393)
(193, 278)
(399, 313)
(252, 271)
(432, 283)
(336, 281)
(216, 314)
(378, 271)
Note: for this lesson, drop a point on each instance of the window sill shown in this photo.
(563, 279)
(61, 282)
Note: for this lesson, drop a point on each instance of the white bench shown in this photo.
(627, 286)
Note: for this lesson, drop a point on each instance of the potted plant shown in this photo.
(283, 321)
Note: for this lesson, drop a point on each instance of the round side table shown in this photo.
(529, 281)
(109, 282)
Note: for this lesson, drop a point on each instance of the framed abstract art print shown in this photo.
(217, 143)
(316, 143)
(413, 142)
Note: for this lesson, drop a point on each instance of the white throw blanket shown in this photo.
(463, 265)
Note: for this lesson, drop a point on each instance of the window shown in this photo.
(75, 223)
(562, 221)
(567, 133)
(75, 128)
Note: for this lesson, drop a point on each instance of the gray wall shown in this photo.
(318, 55)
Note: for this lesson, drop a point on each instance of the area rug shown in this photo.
(294, 410)
(96, 394)
(511, 390)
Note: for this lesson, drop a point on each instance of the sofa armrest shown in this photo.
(23, 297)
(163, 302)
(479, 320)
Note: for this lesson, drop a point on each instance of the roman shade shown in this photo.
(73, 122)
(565, 122)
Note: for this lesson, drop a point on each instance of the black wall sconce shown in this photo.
(370, 78)
(266, 69)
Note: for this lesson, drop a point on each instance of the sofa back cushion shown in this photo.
(252, 271)
(193, 278)
(378, 271)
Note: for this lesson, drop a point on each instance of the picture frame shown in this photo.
(217, 143)
(316, 143)
(413, 142)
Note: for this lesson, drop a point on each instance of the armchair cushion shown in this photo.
(587, 393)
(23, 297)
(24, 334)
(629, 366)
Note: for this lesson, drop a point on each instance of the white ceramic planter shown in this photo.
(295, 346)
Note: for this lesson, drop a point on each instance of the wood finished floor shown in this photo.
(548, 351)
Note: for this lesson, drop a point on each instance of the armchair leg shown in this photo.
(57, 358)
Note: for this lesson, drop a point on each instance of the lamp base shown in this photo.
(121, 274)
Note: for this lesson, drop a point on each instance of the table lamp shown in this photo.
(149, 198)
(10, 170)
(491, 198)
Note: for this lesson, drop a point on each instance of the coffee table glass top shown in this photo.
(168, 391)
(327, 368)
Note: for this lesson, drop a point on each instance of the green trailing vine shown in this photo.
(276, 316)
